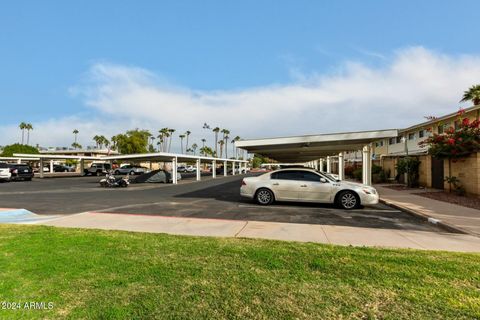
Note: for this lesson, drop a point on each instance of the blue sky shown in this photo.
(49, 47)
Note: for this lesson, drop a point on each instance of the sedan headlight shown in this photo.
(369, 191)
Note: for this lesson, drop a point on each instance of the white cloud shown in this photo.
(415, 83)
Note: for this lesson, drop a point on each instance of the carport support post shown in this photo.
(321, 164)
(198, 170)
(82, 166)
(51, 166)
(174, 170)
(214, 169)
(367, 166)
(341, 166)
(225, 163)
(233, 167)
(329, 165)
(40, 170)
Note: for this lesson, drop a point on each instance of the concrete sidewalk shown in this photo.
(328, 234)
(457, 217)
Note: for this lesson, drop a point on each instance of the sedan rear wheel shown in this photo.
(264, 197)
(348, 200)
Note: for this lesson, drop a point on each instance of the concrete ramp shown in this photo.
(22, 216)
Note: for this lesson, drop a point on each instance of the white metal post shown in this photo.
(329, 165)
(82, 166)
(341, 167)
(225, 168)
(174, 170)
(41, 168)
(19, 161)
(321, 164)
(214, 169)
(233, 167)
(51, 166)
(198, 170)
(367, 166)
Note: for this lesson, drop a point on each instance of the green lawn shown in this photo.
(105, 274)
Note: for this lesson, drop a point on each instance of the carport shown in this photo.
(51, 157)
(175, 158)
(314, 150)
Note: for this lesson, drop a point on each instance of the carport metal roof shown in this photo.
(29, 156)
(312, 147)
(164, 156)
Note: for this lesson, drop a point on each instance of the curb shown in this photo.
(426, 218)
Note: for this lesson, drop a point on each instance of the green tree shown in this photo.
(182, 136)
(194, 148)
(225, 138)
(133, 141)
(76, 145)
(472, 94)
(75, 134)
(28, 127)
(170, 131)
(221, 143)
(22, 127)
(9, 150)
(187, 133)
(216, 130)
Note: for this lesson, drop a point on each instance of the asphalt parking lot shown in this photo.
(210, 198)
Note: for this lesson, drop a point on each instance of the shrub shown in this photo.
(376, 169)
(357, 174)
(9, 150)
(409, 166)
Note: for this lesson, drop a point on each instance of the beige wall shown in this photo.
(467, 170)
(425, 171)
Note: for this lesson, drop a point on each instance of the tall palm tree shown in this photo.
(203, 142)
(159, 144)
(152, 140)
(226, 146)
(237, 138)
(170, 131)
(216, 130)
(194, 148)
(225, 133)
(96, 138)
(182, 136)
(163, 138)
(114, 140)
(28, 127)
(221, 143)
(472, 94)
(187, 133)
(75, 133)
(22, 127)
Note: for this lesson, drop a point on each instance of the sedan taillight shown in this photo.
(243, 183)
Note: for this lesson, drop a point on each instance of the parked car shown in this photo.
(58, 168)
(98, 169)
(5, 174)
(21, 172)
(181, 169)
(131, 169)
(306, 185)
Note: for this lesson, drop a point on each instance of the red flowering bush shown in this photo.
(455, 143)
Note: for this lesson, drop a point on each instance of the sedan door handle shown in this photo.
(274, 184)
(303, 186)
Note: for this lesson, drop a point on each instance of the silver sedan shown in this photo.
(307, 185)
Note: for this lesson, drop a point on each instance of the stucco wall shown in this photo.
(467, 170)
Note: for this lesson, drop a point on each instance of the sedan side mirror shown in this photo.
(323, 180)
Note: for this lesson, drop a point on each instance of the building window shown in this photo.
(421, 133)
(379, 144)
(456, 124)
(399, 139)
(440, 128)
(392, 141)
(411, 136)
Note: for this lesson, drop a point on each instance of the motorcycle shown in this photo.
(110, 181)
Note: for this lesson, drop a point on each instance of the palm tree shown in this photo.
(170, 131)
(76, 145)
(234, 148)
(114, 140)
(182, 136)
(96, 138)
(225, 133)
(28, 127)
(187, 133)
(221, 143)
(22, 127)
(75, 133)
(159, 144)
(472, 94)
(152, 139)
(216, 130)
(194, 148)
(163, 138)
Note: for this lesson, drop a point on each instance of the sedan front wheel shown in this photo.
(264, 197)
(348, 200)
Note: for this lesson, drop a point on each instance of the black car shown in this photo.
(21, 172)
